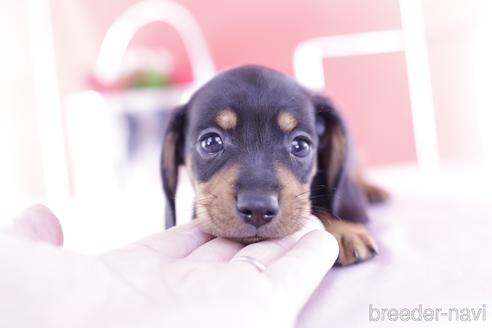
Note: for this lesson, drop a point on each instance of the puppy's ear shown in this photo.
(172, 157)
(344, 196)
(333, 146)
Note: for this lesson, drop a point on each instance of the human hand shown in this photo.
(181, 277)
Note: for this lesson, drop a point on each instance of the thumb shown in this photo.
(37, 223)
(302, 268)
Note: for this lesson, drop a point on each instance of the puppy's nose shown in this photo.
(256, 208)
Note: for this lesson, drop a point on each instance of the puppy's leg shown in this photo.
(354, 241)
(347, 223)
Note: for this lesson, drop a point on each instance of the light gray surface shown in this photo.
(435, 237)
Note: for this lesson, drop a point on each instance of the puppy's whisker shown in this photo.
(204, 199)
(302, 194)
(319, 195)
(211, 194)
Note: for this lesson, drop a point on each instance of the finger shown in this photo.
(301, 269)
(176, 242)
(218, 249)
(268, 251)
(265, 251)
(37, 223)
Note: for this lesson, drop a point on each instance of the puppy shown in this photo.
(263, 153)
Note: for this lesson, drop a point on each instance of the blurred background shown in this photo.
(85, 87)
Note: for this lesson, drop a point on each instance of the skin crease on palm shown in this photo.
(177, 278)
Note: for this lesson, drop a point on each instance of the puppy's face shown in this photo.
(249, 140)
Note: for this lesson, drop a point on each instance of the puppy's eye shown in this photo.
(212, 143)
(300, 147)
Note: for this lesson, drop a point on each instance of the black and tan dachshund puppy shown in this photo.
(263, 154)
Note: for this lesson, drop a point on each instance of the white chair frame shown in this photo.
(410, 39)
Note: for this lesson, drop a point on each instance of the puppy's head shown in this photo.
(252, 140)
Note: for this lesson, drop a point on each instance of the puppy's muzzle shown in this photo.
(257, 208)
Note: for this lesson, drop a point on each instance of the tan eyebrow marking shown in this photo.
(286, 121)
(226, 119)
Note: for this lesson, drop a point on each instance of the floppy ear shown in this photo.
(171, 158)
(332, 148)
(344, 197)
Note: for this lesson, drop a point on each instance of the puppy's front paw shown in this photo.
(355, 242)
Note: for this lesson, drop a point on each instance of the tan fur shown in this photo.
(336, 155)
(189, 169)
(226, 119)
(354, 241)
(169, 160)
(286, 121)
(216, 207)
(215, 204)
(295, 205)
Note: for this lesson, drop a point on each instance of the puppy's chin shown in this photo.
(242, 233)
(260, 236)
(249, 240)
(249, 236)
